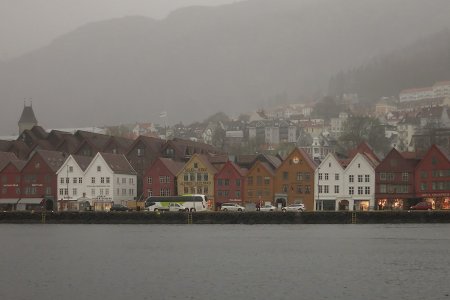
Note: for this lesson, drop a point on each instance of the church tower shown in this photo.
(27, 119)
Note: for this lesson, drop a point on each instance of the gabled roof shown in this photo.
(239, 170)
(122, 143)
(22, 149)
(54, 159)
(362, 148)
(28, 115)
(82, 161)
(95, 140)
(308, 159)
(39, 132)
(331, 155)
(245, 160)
(204, 160)
(4, 145)
(173, 166)
(274, 161)
(151, 143)
(434, 148)
(5, 158)
(364, 157)
(118, 163)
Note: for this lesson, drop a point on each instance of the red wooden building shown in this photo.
(160, 179)
(229, 184)
(433, 178)
(38, 180)
(395, 181)
(10, 185)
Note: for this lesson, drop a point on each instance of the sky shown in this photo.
(26, 25)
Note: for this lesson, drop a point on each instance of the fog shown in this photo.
(29, 24)
(119, 62)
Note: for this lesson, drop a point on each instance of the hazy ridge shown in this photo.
(201, 60)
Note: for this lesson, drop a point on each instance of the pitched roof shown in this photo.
(173, 166)
(82, 161)
(5, 158)
(118, 163)
(311, 162)
(28, 115)
(153, 144)
(54, 159)
(362, 148)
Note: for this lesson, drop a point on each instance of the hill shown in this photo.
(419, 65)
(202, 60)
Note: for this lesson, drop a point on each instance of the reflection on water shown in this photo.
(225, 262)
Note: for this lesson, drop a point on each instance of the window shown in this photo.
(326, 189)
(367, 190)
(299, 189)
(307, 176)
(205, 177)
(423, 174)
(93, 192)
(360, 178)
(266, 180)
(219, 182)
(405, 176)
(191, 176)
(185, 177)
(307, 189)
(336, 189)
(70, 169)
(351, 190)
(423, 186)
(351, 178)
(360, 190)
(107, 179)
(102, 179)
(238, 182)
(61, 180)
(80, 180)
(383, 188)
(99, 168)
(124, 180)
(195, 165)
(106, 192)
(75, 180)
(227, 182)
(284, 188)
(67, 179)
(66, 192)
(299, 176)
(320, 189)
(149, 179)
(162, 179)
(130, 192)
(124, 192)
(285, 175)
(326, 176)
(61, 192)
(92, 179)
(320, 176)
(250, 180)
(74, 191)
(199, 177)
(238, 194)
(140, 152)
(336, 176)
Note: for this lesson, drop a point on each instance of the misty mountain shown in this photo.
(200, 60)
(420, 64)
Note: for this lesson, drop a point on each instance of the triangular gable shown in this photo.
(97, 157)
(434, 149)
(331, 157)
(358, 157)
(203, 159)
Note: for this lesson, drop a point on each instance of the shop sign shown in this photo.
(434, 195)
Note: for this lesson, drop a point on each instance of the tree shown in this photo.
(327, 108)
(358, 129)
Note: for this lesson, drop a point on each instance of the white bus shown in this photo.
(188, 203)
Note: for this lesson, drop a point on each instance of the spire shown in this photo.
(27, 119)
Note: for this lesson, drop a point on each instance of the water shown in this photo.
(225, 262)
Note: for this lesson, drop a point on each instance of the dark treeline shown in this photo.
(419, 65)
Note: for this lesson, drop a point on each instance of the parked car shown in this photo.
(119, 207)
(294, 207)
(231, 207)
(421, 206)
(268, 207)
